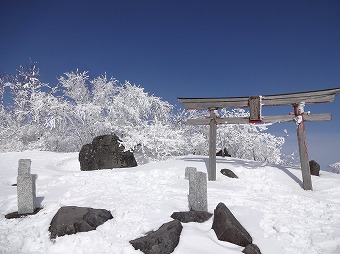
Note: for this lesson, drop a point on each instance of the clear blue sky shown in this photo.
(188, 49)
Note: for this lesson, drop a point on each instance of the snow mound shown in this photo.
(267, 199)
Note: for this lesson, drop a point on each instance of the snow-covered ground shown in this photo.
(267, 199)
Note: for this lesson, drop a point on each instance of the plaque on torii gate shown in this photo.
(255, 103)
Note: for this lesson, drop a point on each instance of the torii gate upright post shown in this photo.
(302, 143)
(212, 146)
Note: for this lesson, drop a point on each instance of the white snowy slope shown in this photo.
(266, 199)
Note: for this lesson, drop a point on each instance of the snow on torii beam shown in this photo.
(320, 96)
(255, 103)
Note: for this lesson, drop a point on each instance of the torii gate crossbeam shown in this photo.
(255, 103)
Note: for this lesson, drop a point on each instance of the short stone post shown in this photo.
(189, 171)
(197, 189)
(26, 189)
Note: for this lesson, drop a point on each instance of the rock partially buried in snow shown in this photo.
(72, 219)
(162, 241)
(191, 216)
(223, 153)
(314, 168)
(228, 173)
(16, 215)
(105, 152)
(228, 228)
(251, 249)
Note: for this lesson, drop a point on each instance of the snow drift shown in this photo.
(267, 199)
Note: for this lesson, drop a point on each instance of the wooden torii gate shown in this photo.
(255, 103)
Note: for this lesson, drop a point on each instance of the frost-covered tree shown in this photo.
(133, 106)
(5, 117)
(249, 142)
(245, 141)
(155, 141)
(144, 121)
(103, 91)
(335, 168)
(80, 114)
(25, 92)
(66, 116)
(75, 86)
(27, 111)
(111, 107)
(2, 89)
(196, 137)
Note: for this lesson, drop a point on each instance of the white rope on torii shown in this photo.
(255, 103)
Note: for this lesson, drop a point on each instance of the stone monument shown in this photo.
(26, 189)
(197, 189)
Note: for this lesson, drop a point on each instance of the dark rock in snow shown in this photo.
(228, 228)
(162, 241)
(16, 215)
(223, 153)
(228, 173)
(105, 152)
(72, 219)
(314, 168)
(191, 216)
(251, 249)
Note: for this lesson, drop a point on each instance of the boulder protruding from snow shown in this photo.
(251, 249)
(72, 219)
(105, 152)
(314, 168)
(228, 228)
(191, 216)
(228, 173)
(162, 241)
